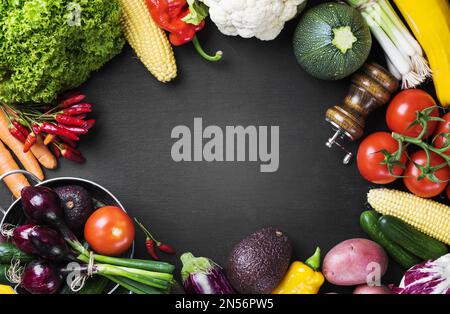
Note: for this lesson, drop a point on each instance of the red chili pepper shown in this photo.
(68, 141)
(20, 128)
(55, 150)
(88, 124)
(17, 134)
(36, 129)
(30, 140)
(169, 15)
(74, 111)
(72, 154)
(81, 116)
(82, 105)
(150, 242)
(56, 130)
(69, 120)
(150, 245)
(166, 248)
(74, 129)
(73, 99)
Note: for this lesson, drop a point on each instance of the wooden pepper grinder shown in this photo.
(372, 88)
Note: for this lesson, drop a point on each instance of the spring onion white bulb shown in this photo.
(391, 67)
(402, 50)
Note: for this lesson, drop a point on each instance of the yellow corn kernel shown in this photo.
(148, 40)
(427, 216)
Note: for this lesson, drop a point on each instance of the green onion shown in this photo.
(402, 50)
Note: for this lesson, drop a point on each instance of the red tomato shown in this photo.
(109, 231)
(447, 191)
(425, 187)
(369, 158)
(402, 111)
(443, 127)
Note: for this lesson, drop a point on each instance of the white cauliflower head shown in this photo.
(263, 19)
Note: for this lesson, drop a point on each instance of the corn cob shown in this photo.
(427, 216)
(148, 40)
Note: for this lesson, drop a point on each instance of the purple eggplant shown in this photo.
(41, 277)
(49, 244)
(202, 276)
(43, 205)
(21, 238)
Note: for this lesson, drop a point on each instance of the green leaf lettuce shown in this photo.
(49, 46)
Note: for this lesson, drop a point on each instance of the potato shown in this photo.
(365, 289)
(350, 262)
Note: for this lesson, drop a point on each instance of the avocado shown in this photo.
(77, 205)
(258, 263)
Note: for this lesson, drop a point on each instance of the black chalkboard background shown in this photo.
(206, 208)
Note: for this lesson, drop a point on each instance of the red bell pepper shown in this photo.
(182, 20)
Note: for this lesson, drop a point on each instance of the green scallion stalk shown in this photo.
(144, 277)
(126, 262)
(403, 51)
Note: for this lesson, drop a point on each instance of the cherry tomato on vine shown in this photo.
(425, 187)
(443, 127)
(370, 158)
(447, 191)
(402, 112)
(109, 231)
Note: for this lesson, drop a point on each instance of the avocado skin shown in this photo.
(77, 205)
(258, 263)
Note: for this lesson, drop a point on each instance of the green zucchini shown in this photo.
(332, 41)
(9, 251)
(368, 221)
(411, 239)
(3, 279)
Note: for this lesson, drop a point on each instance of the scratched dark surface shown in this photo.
(205, 207)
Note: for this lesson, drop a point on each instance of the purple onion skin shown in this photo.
(42, 204)
(41, 277)
(49, 244)
(21, 238)
(213, 282)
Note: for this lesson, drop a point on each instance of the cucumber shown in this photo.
(411, 239)
(9, 251)
(368, 221)
(95, 285)
(3, 279)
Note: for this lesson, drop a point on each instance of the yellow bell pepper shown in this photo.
(430, 22)
(302, 278)
(7, 290)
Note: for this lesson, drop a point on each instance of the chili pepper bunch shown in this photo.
(151, 243)
(60, 126)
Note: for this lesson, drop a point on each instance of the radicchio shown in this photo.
(431, 277)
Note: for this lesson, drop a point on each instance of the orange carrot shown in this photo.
(14, 182)
(43, 154)
(27, 159)
(49, 138)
